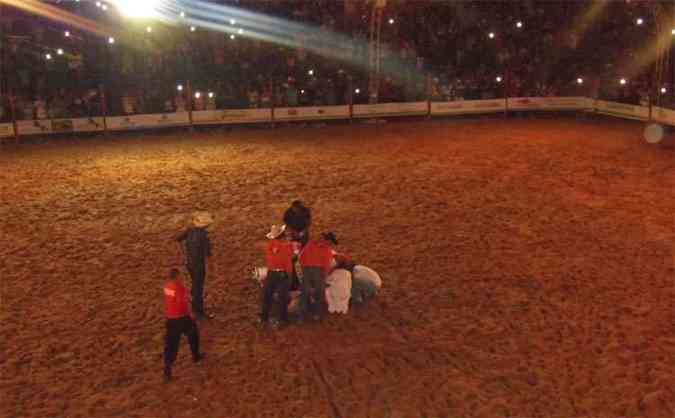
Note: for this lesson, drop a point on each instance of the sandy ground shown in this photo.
(527, 267)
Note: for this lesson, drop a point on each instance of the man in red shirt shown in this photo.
(179, 321)
(316, 261)
(279, 258)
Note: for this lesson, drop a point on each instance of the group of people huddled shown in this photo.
(309, 277)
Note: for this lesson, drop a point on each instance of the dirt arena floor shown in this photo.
(527, 268)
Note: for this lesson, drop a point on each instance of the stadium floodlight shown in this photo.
(192, 29)
(179, 87)
(59, 51)
(66, 34)
(357, 91)
(623, 81)
(392, 21)
(137, 8)
(104, 7)
(211, 95)
(98, 4)
(232, 37)
(498, 79)
(519, 24)
(673, 31)
(302, 91)
(48, 56)
(491, 35)
(310, 72)
(182, 14)
(198, 95)
(580, 80)
(639, 21)
(663, 90)
(111, 40)
(233, 22)
(240, 31)
(148, 29)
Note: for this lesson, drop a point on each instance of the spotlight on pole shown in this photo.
(357, 91)
(211, 95)
(622, 81)
(663, 90)
(639, 21)
(179, 87)
(310, 72)
(198, 95)
(519, 24)
(104, 7)
(148, 29)
(182, 14)
(302, 91)
(59, 51)
(580, 80)
(233, 22)
(111, 40)
(48, 56)
(232, 37)
(491, 35)
(392, 21)
(192, 29)
(67, 34)
(98, 4)
(498, 79)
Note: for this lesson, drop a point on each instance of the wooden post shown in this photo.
(12, 108)
(189, 105)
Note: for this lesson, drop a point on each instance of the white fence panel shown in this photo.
(219, 117)
(463, 107)
(6, 130)
(159, 120)
(77, 125)
(34, 127)
(663, 115)
(310, 113)
(390, 109)
(622, 110)
(563, 103)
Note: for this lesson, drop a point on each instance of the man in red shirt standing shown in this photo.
(279, 258)
(179, 321)
(316, 261)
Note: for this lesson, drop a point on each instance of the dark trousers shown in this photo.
(276, 281)
(197, 274)
(313, 291)
(175, 328)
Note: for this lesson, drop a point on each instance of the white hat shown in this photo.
(275, 231)
(201, 219)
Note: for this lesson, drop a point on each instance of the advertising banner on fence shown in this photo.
(563, 103)
(526, 103)
(309, 113)
(622, 110)
(77, 125)
(463, 107)
(34, 127)
(390, 109)
(663, 115)
(159, 120)
(6, 130)
(218, 117)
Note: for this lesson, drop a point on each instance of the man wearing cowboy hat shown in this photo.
(279, 258)
(197, 251)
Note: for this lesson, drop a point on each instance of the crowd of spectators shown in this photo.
(440, 50)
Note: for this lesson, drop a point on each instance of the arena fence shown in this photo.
(350, 112)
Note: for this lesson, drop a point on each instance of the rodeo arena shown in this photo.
(337, 208)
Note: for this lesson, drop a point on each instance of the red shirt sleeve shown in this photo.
(279, 256)
(175, 300)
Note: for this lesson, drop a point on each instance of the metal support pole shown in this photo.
(189, 105)
(12, 108)
(350, 85)
(104, 108)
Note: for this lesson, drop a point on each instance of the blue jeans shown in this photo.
(313, 286)
(362, 290)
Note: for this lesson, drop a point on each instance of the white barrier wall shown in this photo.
(309, 113)
(77, 125)
(159, 120)
(34, 127)
(663, 115)
(220, 117)
(6, 130)
(390, 109)
(463, 107)
(622, 110)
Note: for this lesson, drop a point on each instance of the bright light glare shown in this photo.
(622, 81)
(302, 91)
(198, 95)
(499, 79)
(192, 29)
(310, 72)
(240, 31)
(148, 29)
(104, 7)
(137, 8)
(391, 21)
(580, 80)
(179, 87)
(519, 24)
(59, 51)
(98, 4)
(491, 35)
(357, 91)
(639, 21)
(48, 56)
(211, 95)
(67, 34)
(673, 31)
(232, 36)
(233, 22)
(182, 14)
(111, 40)
(663, 90)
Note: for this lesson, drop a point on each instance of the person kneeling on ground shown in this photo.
(179, 321)
(279, 258)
